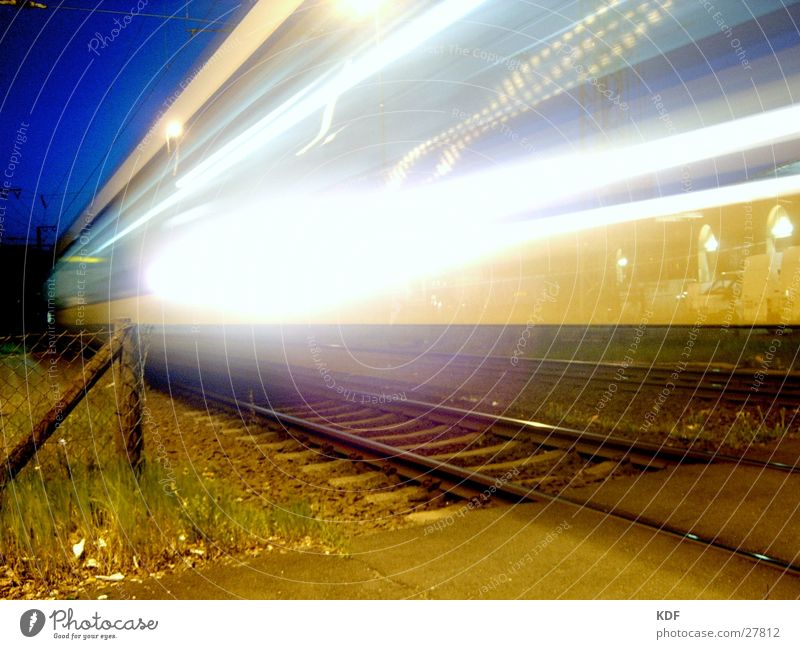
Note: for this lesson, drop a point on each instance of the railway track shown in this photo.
(640, 452)
(713, 382)
(483, 455)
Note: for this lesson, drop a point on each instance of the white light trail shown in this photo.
(310, 99)
(512, 189)
(332, 254)
(653, 208)
(400, 43)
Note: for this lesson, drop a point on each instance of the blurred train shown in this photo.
(461, 163)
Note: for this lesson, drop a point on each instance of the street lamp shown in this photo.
(174, 131)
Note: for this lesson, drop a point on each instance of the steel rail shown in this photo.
(508, 490)
(563, 433)
(731, 384)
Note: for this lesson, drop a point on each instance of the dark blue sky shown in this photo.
(81, 82)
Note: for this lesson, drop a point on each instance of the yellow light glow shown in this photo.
(174, 129)
(711, 244)
(287, 286)
(84, 260)
(783, 228)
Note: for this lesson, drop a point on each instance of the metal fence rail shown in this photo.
(69, 400)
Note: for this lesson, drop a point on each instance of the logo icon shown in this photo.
(31, 622)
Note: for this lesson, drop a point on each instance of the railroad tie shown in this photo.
(537, 461)
(475, 452)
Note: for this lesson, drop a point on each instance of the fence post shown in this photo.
(130, 395)
(27, 447)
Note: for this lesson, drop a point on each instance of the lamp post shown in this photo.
(173, 132)
(362, 9)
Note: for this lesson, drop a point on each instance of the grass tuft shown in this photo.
(57, 529)
(750, 427)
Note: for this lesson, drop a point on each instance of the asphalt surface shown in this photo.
(750, 508)
(536, 551)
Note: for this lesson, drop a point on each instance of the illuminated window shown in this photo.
(783, 228)
(707, 244)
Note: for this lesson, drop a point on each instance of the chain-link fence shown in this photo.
(69, 401)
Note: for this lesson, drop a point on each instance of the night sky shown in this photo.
(81, 83)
